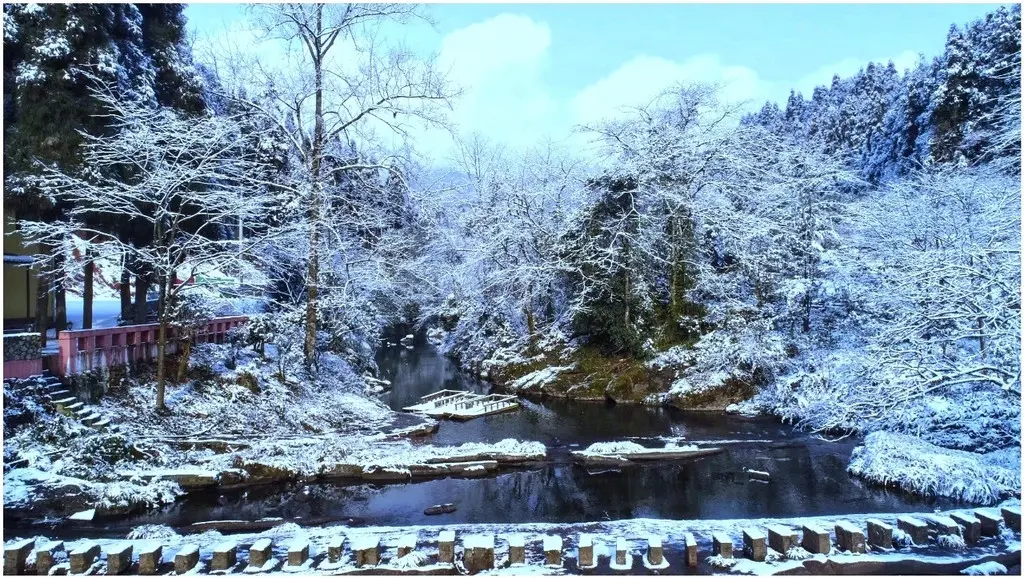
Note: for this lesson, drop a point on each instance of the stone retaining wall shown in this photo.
(23, 356)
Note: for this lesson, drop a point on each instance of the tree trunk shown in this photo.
(87, 293)
(313, 272)
(183, 357)
(60, 305)
(141, 289)
(126, 296)
(161, 340)
(673, 283)
(42, 304)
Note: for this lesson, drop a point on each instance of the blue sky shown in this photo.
(538, 70)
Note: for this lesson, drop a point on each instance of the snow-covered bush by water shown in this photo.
(920, 467)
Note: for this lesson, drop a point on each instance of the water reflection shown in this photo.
(808, 480)
(807, 475)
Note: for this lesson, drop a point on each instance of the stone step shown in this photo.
(71, 409)
(84, 412)
(92, 420)
(56, 394)
(65, 401)
(103, 423)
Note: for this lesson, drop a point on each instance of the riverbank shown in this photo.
(238, 419)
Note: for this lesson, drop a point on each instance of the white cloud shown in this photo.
(499, 64)
(643, 78)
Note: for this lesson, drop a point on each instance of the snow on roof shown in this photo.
(552, 543)
(654, 541)
(407, 541)
(19, 259)
(446, 536)
(586, 540)
(188, 549)
(516, 541)
(261, 544)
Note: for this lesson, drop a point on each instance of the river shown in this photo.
(807, 474)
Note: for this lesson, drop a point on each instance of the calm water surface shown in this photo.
(808, 474)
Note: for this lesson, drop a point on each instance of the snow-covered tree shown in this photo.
(338, 85)
(190, 183)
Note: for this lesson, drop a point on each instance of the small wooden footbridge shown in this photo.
(463, 405)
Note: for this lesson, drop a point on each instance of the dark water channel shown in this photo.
(808, 474)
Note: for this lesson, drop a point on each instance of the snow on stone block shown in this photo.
(186, 559)
(15, 556)
(781, 538)
(585, 551)
(224, 556)
(691, 549)
(259, 553)
(446, 547)
(623, 559)
(478, 552)
(879, 534)
(754, 544)
(1012, 518)
(517, 549)
(553, 550)
(46, 556)
(82, 557)
(298, 552)
(655, 558)
(970, 526)
(916, 529)
(721, 544)
(150, 558)
(335, 548)
(83, 516)
(119, 557)
(990, 522)
(406, 544)
(942, 524)
(367, 550)
(816, 539)
(850, 538)
(990, 568)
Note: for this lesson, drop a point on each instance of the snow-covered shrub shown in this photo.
(152, 532)
(798, 553)
(990, 568)
(717, 561)
(921, 467)
(133, 494)
(901, 539)
(951, 542)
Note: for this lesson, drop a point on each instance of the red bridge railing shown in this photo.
(90, 349)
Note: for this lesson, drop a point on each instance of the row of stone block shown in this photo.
(478, 551)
